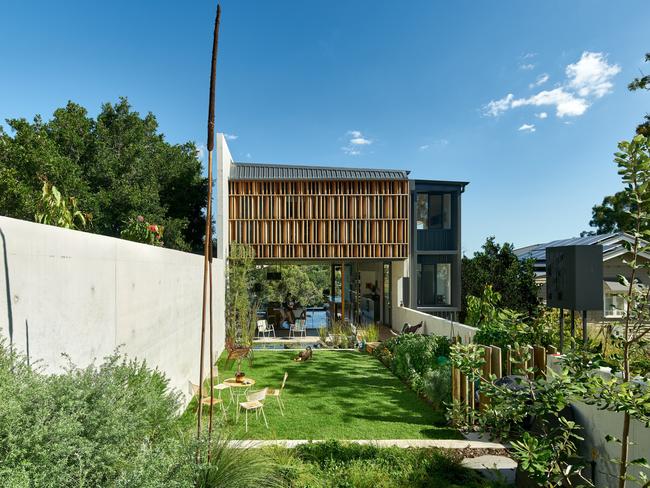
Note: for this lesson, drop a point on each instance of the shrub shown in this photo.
(138, 230)
(415, 358)
(114, 425)
(333, 464)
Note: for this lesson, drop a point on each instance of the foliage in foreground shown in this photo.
(112, 425)
(336, 465)
(531, 414)
(421, 361)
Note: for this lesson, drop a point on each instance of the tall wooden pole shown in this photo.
(343, 292)
(211, 353)
(208, 226)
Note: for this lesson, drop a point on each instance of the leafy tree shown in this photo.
(623, 394)
(117, 166)
(305, 283)
(498, 266)
(614, 214)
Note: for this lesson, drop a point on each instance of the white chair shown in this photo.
(218, 386)
(272, 392)
(299, 327)
(254, 401)
(207, 399)
(264, 329)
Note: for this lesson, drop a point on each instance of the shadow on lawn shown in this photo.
(357, 386)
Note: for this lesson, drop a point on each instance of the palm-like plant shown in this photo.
(55, 209)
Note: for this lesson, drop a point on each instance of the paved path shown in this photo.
(404, 443)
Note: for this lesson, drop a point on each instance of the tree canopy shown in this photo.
(498, 266)
(614, 213)
(117, 166)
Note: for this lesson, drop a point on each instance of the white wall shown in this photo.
(224, 160)
(64, 291)
(432, 325)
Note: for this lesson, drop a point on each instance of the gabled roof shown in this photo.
(612, 247)
(264, 171)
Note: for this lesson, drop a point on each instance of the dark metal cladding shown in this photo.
(260, 171)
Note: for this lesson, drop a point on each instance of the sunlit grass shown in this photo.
(337, 395)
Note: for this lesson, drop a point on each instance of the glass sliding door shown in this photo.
(387, 308)
(434, 281)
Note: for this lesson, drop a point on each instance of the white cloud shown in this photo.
(592, 75)
(527, 128)
(497, 107)
(541, 79)
(587, 79)
(231, 137)
(565, 102)
(355, 140)
(248, 156)
(360, 141)
(527, 66)
(541, 115)
(529, 55)
(424, 147)
(350, 151)
(200, 151)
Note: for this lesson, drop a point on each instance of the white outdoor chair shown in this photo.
(272, 392)
(254, 401)
(299, 327)
(207, 399)
(218, 386)
(264, 329)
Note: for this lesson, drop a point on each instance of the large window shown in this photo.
(433, 211)
(614, 305)
(434, 281)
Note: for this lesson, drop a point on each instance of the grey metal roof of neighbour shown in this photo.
(260, 171)
(612, 246)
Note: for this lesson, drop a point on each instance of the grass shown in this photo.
(336, 465)
(337, 395)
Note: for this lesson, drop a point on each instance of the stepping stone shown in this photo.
(498, 468)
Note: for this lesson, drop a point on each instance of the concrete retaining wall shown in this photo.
(596, 425)
(432, 325)
(82, 294)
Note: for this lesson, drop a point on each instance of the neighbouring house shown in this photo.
(395, 242)
(614, 253)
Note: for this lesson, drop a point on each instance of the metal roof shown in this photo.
(612, 247)
(262, 171)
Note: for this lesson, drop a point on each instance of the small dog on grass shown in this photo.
(303, 355)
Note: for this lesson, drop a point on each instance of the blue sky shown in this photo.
(366, 83)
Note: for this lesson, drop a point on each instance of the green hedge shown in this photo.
(422, 361)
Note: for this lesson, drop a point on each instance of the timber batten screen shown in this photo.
(340, 219)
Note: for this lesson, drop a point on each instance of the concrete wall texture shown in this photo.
(432, 325)
(82, 294)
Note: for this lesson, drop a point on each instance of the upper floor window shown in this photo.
(433, 211)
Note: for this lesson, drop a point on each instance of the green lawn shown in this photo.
(336, 395)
